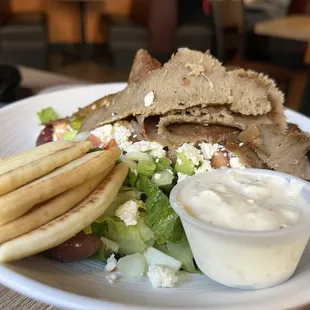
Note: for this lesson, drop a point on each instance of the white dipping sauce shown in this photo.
(257, 250)
(242, 201)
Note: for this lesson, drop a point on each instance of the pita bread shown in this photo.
(45, 212)
(21, 169)
(20, 201)
(16, 161)
(66, 226)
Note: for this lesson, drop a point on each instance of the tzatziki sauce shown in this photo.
(247, 228)
(243, 201)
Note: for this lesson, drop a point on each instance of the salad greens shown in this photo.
(180, 251)
(184, 165)
(69, 135)
(109, 247)
(76, 122)
(161, 218)
(158, 226)
(162, 164)
(47, 115)
(146, 167)
(131, 239)
(148, 185)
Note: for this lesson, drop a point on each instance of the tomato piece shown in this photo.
(110, 144)
(96, 142)
(60, 128)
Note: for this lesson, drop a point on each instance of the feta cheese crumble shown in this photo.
(154, 148)
(205, 166)
(235, 163)
(191, 153)
(111, 278)
(161, 276)
(128, 213)
(111, 263)
(121, 134)
(208, 149)
(117, 131)
(149, 99)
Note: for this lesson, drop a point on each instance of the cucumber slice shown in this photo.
(156, 257)
(139, 156)
(184, 165)
(163, 178)
(132, 266)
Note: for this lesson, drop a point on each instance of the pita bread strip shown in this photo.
(21, 200)
(49, 210)
(66, 226)
(29, 156)
(24, 174)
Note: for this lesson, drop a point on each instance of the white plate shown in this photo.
(84, 285)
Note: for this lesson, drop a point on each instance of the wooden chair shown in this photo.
(230, 30)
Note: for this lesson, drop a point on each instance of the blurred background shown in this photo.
(95, 40)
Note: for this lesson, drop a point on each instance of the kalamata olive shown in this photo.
(79, 247)
(46, 135)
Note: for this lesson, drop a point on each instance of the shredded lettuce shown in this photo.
(76, 122)
(69, 135)
(95, 149)
(146, 167)
(161, 218)
(162, 164)
(131, 178)
(47, 115)
(108, 248)
(131, 239)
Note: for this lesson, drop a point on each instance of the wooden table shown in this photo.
(294, 27)
(38, 80)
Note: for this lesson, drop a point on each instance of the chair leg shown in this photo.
(296, 90)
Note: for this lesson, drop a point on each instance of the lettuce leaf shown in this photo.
(47, 115)
(161, 218)
(76, 122)
(146, 167)
(131, 239)
(182, 252)
(69, 135)
(108, 248)
(162, 164)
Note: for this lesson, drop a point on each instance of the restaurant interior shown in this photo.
(94, 41)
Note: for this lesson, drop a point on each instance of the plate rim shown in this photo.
(64, 299)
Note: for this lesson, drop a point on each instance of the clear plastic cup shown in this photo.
(241, 258)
